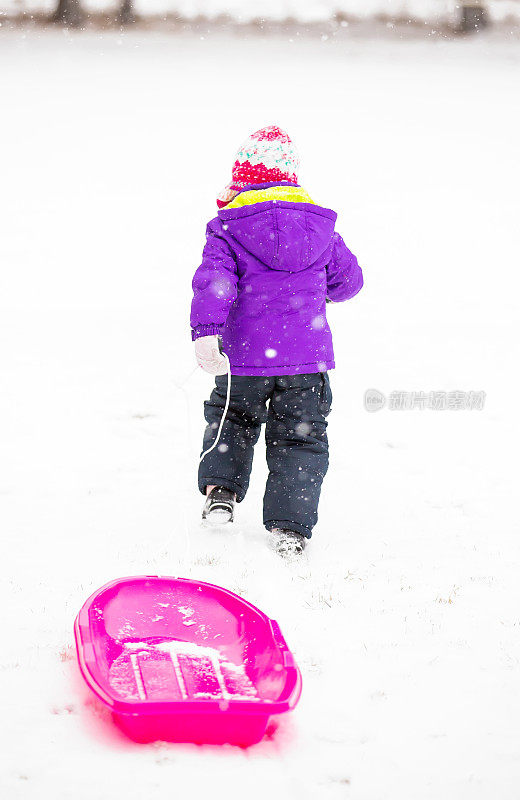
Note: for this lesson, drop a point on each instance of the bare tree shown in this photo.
(474, 16)
(69, 12)
(126, 14)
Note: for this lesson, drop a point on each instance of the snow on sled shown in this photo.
(184, 661)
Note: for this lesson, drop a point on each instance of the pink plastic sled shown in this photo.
(184, 661)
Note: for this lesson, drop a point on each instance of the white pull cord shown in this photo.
(181, 386)
(224, 413)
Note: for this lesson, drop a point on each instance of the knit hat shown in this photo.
(267, 156)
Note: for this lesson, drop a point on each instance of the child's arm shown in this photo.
(214, 286)
(344, 276)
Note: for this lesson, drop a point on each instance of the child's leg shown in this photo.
(297, 451)
(229, 464)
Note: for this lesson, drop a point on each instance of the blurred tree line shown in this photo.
(71, 12)
(473, 14)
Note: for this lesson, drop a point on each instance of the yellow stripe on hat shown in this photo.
(291, 194)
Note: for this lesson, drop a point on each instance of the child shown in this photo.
(271, 261)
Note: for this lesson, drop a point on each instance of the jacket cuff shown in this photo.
(206, 330)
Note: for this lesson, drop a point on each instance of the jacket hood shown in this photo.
(283, 235)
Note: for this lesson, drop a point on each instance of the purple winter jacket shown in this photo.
(266, 272)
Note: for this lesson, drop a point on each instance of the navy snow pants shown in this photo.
(294, 408)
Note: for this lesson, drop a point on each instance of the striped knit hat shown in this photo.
(267, 156)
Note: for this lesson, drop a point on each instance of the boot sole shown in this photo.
(219, 516)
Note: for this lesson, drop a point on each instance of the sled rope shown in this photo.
(181, 386)
(224, 413)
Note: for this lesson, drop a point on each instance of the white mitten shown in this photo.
(209, 356)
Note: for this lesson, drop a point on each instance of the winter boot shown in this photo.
(219, 506)
(287, 543)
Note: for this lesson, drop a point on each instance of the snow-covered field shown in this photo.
(404, 617)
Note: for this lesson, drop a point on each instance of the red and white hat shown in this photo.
(267, 156)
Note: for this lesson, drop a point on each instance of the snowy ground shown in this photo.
(405, 617)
